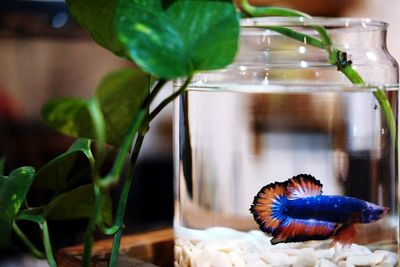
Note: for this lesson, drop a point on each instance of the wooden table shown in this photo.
(148, 249)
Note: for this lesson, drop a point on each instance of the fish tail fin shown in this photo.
(344, 235)
(268, 205)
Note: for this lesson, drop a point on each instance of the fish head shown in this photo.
(372, 213)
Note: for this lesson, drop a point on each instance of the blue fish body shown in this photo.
(339, 209)
(296, 210)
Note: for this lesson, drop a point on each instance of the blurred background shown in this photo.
(45, 54)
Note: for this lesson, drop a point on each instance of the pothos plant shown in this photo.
(166, 40)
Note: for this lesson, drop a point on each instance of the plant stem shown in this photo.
(113, 176)
(46, 238)
(35, 251)
(30, 217)
(128, 182)
(98, 123)
(285, 12)
(384, 103)
(119, 217)
(299, 36)
(89, 239)
(47, 244)
(166, 101)
(270, 11)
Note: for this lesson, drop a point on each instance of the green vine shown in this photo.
(33, 249)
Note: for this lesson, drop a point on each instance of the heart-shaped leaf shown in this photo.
(54, 174)
(188, 36)
(119, 94)
(210, 31)
(97, 17)
(76, 204)
(13, 190)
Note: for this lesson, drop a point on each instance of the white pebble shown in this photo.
(384, 252)
(259, 263)
(344, 264)
(225, 246)
(180, 242)
(365, 260)
(390, 258)
(342, 254)
(276, 258)
(206, 264)
(360, 250)
(220, 259)
(260, 236)
(250, 243)
(383, 265)
(289, 251)
(325, 263)
(178, 252)
(201, 258)
(325, 253)
(236, 260)
(221, 247)
(306, 258)
(186, 256)
(251, 257)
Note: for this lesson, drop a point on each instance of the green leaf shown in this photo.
(69, 116)
(75, 204)
(210, 31)
(188, 36)
(55, 173)
(152, 40)
(2, 165)
(13, 190)
(97, 17)
(120, 95)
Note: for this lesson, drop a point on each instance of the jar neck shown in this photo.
(259, 45)
(341, 37)
(348, 39)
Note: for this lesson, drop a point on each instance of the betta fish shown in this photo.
(296, 210)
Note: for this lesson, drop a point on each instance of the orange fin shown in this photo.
(267, 206)
(297, 230)
(303, 185)
(344, 235)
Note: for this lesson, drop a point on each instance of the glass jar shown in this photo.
(250, 138)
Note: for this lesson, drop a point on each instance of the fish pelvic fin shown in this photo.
(303, 185)
(344, 235)
(268, 205)
(298, 230)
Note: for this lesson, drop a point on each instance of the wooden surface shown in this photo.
(145, 250)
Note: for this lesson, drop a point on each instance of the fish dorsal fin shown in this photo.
(303, 185)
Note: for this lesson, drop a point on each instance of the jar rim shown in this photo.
(276, 88)
(340, 22)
